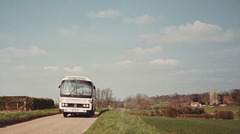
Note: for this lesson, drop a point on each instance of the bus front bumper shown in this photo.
(75, 111)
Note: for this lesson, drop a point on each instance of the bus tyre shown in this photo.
(91, 112)
(65, 114)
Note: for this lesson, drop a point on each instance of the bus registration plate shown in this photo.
(71, 110)
(75, 110)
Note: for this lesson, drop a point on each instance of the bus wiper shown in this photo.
(72, 92)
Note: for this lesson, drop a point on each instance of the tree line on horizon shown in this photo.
(174, 105)
(105, 99)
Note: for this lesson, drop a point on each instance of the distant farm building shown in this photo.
(195, 104)
(227, 99)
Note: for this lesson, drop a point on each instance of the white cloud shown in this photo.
(117, 65)
(167, 62)
(217, 79)
(20, 68)
(234, 80)
(75, 33)
(34, 50)
(180, 72)
(144, 19)
(50, 68)
(69, 32)
(124, 63)
(11, 52)
(196, 33)
(64, 32)
(76, 69)
(199, 71)
(104, 14)
(146, 51)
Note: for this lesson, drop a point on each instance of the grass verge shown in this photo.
(16, 117)
(119, 122)
(116, 121)
(100, 111)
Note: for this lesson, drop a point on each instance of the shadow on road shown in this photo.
(82, 116)
(86, 115)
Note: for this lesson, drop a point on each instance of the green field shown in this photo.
(117, 121)
(16, 117)
(193, 126)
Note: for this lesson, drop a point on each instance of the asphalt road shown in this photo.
(55, 124)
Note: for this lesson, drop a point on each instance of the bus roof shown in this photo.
(76, 78)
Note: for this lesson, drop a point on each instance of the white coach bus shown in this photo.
(77, 96)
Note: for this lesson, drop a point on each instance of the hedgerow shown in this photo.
(21, 103)
(184, 112)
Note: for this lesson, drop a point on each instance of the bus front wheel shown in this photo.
(65, 114)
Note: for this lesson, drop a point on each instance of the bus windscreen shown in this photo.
(76, 88)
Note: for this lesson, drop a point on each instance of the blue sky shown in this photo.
(153, 47)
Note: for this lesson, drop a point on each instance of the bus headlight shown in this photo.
(86, 105)
(64, 104)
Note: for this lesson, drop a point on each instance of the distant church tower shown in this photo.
(213, 97)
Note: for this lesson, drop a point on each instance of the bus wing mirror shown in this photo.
(59, 86)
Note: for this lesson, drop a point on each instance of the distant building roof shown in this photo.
(227, 98)
(195, 104)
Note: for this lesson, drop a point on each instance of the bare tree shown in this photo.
(204, 98)
(140, 102)
(109, 97)
(104, 97)
(98, 98)
(236, 96)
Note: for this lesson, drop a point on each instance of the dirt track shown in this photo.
(55, 124)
